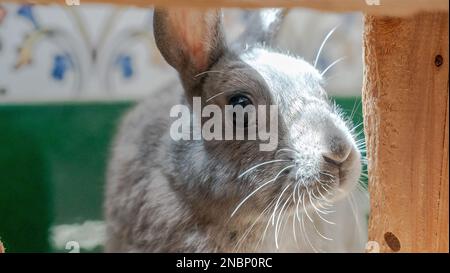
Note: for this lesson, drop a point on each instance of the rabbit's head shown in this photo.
(316, 159)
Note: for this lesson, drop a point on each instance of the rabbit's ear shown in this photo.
(190, 40)
(263, 26)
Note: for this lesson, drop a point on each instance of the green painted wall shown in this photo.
(52, 166)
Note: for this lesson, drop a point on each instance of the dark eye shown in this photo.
(239, 99)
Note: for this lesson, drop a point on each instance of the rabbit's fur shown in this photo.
(179, 196)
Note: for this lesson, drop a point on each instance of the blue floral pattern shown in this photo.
(61, 63)
(125, 64)
(26, 11)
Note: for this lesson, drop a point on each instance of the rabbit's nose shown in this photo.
(337, 152)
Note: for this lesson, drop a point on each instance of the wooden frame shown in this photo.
(405, 102)
(381, 7)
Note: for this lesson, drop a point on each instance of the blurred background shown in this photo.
(67, 74)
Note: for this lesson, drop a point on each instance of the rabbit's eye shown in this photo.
(240, 99)
(243, 101)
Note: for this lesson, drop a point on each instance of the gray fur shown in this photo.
(178, 196)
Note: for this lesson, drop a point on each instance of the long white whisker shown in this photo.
(298, 203)
(328, 174)
(355, 127)
(314, 206)
(244, 236)
(276, 205)
(208, 71)
(286, 150)
(302, 231)
(216, 95)
(293, 223)
(323, 44)
(260, 187)
(331, 65)
(325, 210)
(267, 225)
(261, 164)
(278, 220)
(323, 186)
(285, 218)
(264, 233)
(296, 174)
(221, 71)
(353, 110)
(314, 226)
(304, 228)
(317, 210)
(352, 204)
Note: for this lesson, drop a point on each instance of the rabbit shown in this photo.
(166, 195)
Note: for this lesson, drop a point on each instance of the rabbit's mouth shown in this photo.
(320, 184)
(343, 176)
(318, 190)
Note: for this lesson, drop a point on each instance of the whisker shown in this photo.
(260, 187)
(296, 174)
(355, 107)
(297, 216)
(244, 236)
(324, 187)
(317, 210)
(323, 44)
(293, 221)
(312, 203)
(355, 127)
(304, 208)
(264, 233)
(314, 226)
(331, 65)
(354, 212)
(261, 164)
(304, 228)
(222, 71)
(278, 220)
(208, 71)
(285, 218)
(216, 95)
(326, 211)
(276, 205)
(298, 203)
(328, 174)
(287, 150)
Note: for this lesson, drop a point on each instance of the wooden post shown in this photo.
(405, 102)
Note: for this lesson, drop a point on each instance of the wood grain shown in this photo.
(405, 102)
(386, 7)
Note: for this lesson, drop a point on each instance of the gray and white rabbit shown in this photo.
(166, 195)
